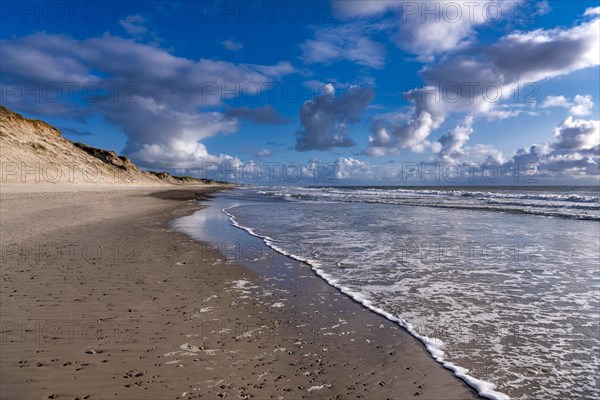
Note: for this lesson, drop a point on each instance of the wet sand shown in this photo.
(100, 298)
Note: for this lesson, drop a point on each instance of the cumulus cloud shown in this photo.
(592, 12)
(347, 42)
(154, 96)
(342, 169)
(574, 152)
(483, 152)
(475, 83)
(326, 118)
(427, 29)
(577, 134)
(348, 167)
(43, 58)
(412, 135)
(453, 141)
(110, 59)
(580, 106)
(266, 115)
(161, 136)
(555, 101)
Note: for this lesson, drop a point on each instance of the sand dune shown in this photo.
(35, 152)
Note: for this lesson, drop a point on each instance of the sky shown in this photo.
(385, 92)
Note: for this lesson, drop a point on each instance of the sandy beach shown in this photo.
(101, 299)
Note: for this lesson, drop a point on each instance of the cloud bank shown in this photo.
(155, 97)
(476, 81)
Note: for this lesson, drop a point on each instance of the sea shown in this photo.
(500, 284)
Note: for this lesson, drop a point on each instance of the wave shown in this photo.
(583, 206)
(433, 345)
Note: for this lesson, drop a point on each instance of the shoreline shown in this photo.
(484, 388)
(158, 314)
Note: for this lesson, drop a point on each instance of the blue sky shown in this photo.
(365, 86)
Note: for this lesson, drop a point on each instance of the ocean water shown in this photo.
(502, 285)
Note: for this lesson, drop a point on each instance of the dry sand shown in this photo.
(99, 299)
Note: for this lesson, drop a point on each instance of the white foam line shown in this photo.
(434, 346)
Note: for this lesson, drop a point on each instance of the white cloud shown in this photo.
(133, 24)
(431, 28)
(164, 136)
(543, 8)
(232, 44)
(348, 167)
(453, 146)
(484, 152)
(461, 84)
(592, 12)
(577, 134)
(505, 111)
(453, 141)
(580, 106)
(555, 101)
(264, 153)
(348, 42)
(574, 152)
(163, 127)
